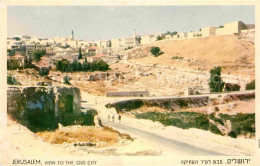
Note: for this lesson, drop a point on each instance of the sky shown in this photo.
(106, 22)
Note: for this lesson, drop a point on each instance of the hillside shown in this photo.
(236, 54)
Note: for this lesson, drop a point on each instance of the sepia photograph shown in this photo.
(129, 80)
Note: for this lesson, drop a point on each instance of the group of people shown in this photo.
(113, 117)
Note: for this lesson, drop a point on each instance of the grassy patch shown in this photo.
(89, 135)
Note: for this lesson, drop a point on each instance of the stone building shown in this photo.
(182, 35)
(32, 47)
(17, 61)
(208, 31)
(58, 101)
(147, 39)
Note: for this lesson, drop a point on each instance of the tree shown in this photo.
(66, 66)
(38, 54)
(159, 38)
(215, 83)
(156, 51)
(251, 85)
(17, 38)
(174, 33)
(80, 54)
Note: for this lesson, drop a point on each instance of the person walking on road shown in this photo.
(108, 117)
(119, 118)
(99, 122)
(113, 117)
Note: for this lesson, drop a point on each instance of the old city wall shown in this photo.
(230, 28)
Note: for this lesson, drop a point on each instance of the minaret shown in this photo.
(72, 35)
(134, 33)
(135, 37)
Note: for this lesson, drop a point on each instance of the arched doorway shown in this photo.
(68, 104)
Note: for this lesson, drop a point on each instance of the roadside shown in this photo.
(156, 134)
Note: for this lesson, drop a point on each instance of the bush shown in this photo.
(177, 57)
(128, 105)
(159, 38)
(251, 85)
(241, 123)
(214, 129)
(66, 80)
(232, 87)
(156, 51)
(12, 81)
(232, 134)
(44, 71)
(40, 121)
(182, 103)
(82, 119)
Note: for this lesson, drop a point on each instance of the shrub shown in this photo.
(159, 38)
(251, 85)
(241, 123)
(156, 51)
(182, 103)
(232, 87)
(232, 134)
(214, 129)
(128, 105)
(44, 71)
(66, 80)
(40, 121)
(177, 57)
(11, 80)
(82, 119)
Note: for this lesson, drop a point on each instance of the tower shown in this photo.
(72, 35)
(134, 33)
(135, 38)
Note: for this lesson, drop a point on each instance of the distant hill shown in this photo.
(236, 54)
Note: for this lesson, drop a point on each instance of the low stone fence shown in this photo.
(128, 94)
(170, 104)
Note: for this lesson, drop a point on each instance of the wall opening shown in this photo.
(68, 104)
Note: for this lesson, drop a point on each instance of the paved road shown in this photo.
(167, 145)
